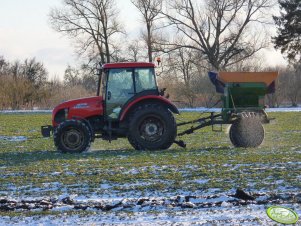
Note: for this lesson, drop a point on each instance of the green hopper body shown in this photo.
(243, 91)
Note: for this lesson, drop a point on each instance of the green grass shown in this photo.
(34, 168)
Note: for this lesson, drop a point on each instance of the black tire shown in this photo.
(233, 141)
(152, 127)
(72, 136)
(247, 131)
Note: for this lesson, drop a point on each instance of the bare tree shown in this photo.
(150, 10)
(34, 72)
(220, 29)
(292, 87)
(135, 50)
(72, 77)
(4, 66)
(92, 23)
(182, 63)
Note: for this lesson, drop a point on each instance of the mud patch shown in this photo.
(151, 203)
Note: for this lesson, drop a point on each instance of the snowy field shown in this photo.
(296, 109)
(247, 215)
(113, 184)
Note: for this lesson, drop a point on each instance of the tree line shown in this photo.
(191, 38)
(26, 85)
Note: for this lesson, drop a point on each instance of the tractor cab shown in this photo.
(122, 83)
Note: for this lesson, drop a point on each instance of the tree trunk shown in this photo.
(149, 43)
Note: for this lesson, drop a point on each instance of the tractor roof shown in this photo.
(128, 65)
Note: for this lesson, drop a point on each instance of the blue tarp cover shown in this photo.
(219, 86)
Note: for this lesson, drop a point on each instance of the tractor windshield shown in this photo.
(145, 79)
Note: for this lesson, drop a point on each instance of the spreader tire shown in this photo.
(72, 136)
(247, 131)
(152, 127)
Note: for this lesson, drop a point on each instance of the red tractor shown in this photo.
(128, 104)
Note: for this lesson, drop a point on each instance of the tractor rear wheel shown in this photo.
(247, 131)
(72, 136)
(152, 127)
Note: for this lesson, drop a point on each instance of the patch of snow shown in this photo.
(292, 109)
(200, 109)
(132, 171)
(52, 184)
(225, 215)
(105, 186)
(226, 204)
(55, 173)
(216, 110)
(201, 181)
(13, 138)
(26, 111)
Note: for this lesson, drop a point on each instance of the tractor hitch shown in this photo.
(181, 143)
(213, 119)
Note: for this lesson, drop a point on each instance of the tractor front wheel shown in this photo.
(152, 127)
(72, 136)
(247, 131)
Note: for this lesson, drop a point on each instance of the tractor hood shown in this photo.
(80, 108)
(79, 103)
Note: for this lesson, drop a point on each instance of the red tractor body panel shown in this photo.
(145, 99)
(81, 108)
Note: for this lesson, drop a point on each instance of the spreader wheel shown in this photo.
(152, 127)
(247, 131)
(72, 136)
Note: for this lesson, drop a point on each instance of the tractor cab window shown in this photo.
(120, 88)
(145, 79)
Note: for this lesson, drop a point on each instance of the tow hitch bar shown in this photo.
(181, 143)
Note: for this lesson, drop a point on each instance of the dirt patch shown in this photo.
(129, 204)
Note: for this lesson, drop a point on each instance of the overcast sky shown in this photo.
(25, 33)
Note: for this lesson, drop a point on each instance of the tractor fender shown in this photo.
(146, 99)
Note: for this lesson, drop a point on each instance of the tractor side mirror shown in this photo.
(162, 91)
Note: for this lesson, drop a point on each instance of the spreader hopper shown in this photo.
(248, 77)
(243, 91)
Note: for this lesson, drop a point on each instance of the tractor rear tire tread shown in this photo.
(159, 110)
